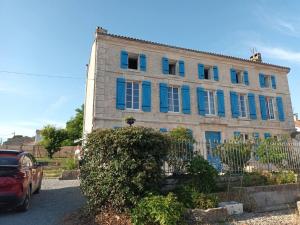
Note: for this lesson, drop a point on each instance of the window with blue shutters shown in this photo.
(221, 104)
(163, 130)
(267, 135)
(124, 60)
(239, 76)
(263, 107)
(216, 73)
(186, 105)
(270, 108)
(234, 104)
(163, 97)
(209, 101)
(165, 65)
(120, 93)
(201, 71)
(133, 61)
(280, 108)
(146, 96)
(181, 68)
(207, 72)
(273, 81)
(173, 99)
(236, 133)
(267, 81)
(243, 112)
(246, 78)
(143, 62)
(252, 106)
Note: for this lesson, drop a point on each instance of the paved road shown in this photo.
(48, 207)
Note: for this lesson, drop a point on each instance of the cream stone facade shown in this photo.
(104, 69)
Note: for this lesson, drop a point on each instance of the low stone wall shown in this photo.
(40, 151)
(264, 198)
(213, 215)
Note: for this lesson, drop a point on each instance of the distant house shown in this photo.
(19, 140)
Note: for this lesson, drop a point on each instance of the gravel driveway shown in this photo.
(49, 206)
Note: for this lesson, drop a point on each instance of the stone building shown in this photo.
(162, 86)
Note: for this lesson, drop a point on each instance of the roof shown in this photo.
(193, 50)
(297, 125)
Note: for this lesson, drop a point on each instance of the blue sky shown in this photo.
(54, 37)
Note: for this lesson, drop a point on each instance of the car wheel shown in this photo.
(25, 204)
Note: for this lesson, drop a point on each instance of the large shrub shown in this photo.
(121, 165)
(203, 175)
(158, 210)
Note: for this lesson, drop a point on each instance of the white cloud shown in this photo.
(280, 53)
(55, 106)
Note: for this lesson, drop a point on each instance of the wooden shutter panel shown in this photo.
(252, 106)
(163, 130)
(201, 100)
(267, 135)
(201, 71)
(163, 96)
(216, 73)
(273, 80)
(165, 65)
(221, 104)
(233, 76)
(262, 80)
(234, 104)
(246, 78)
(263, 107)
(146, 96)
(181, 68)
(185, 94)
(124, 60)
(143, 62)
(280, 108)
(120, 93)
(236, 133)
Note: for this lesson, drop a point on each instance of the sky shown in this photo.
(45, 45)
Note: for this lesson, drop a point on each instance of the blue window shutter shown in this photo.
(124, 60)
(236, 133)
(234, 104)
(216, 73)
(190, 131)
(163, 97)
(256, 135)
(181, 68)
(280, 108)
(262, 80)
(120, 95)
(246, 78)
(146, 96)
(263, 107)
(267, 135)
(201, 101)
(233, 76)
(165, 65)
(273, 80)
(201, 71)
(252, 106)
(185, 94)
(163, 130)
(143, 62)
(221, 104)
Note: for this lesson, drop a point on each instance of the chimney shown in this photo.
(256, 57)
(100, 30)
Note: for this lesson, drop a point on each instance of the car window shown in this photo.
(8, 161)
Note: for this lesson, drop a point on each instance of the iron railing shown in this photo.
(235, 157)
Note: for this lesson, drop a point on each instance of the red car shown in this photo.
(20, 177)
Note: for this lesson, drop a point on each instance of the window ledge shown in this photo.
(132, 70)
(244, 119)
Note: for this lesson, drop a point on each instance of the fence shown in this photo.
(236, 157)
(39, 151)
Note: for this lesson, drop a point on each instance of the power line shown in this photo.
(42, 75)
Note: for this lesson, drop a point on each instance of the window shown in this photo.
(207, 73)
(172, 67)
(133, 61)
(267, 81)
(132, 95)
(173, 99)
(244, 136)
(239, 77)
(210, 102)
(242, 105)
(270, 108)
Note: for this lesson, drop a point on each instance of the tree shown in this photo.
(74, 127)
(52, 139)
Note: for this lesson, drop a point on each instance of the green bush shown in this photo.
(158, 210)
(203, 175)
(71, 164)
(120, 165)
(191, 198)
(282, 177)
(254, 179)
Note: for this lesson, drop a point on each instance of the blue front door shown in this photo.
(213, 138)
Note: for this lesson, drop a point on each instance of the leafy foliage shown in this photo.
(121, 165)
(158, 210)
(52, 139)
(74, 127)
(203, 175)
(182, 134)
(235, 153)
